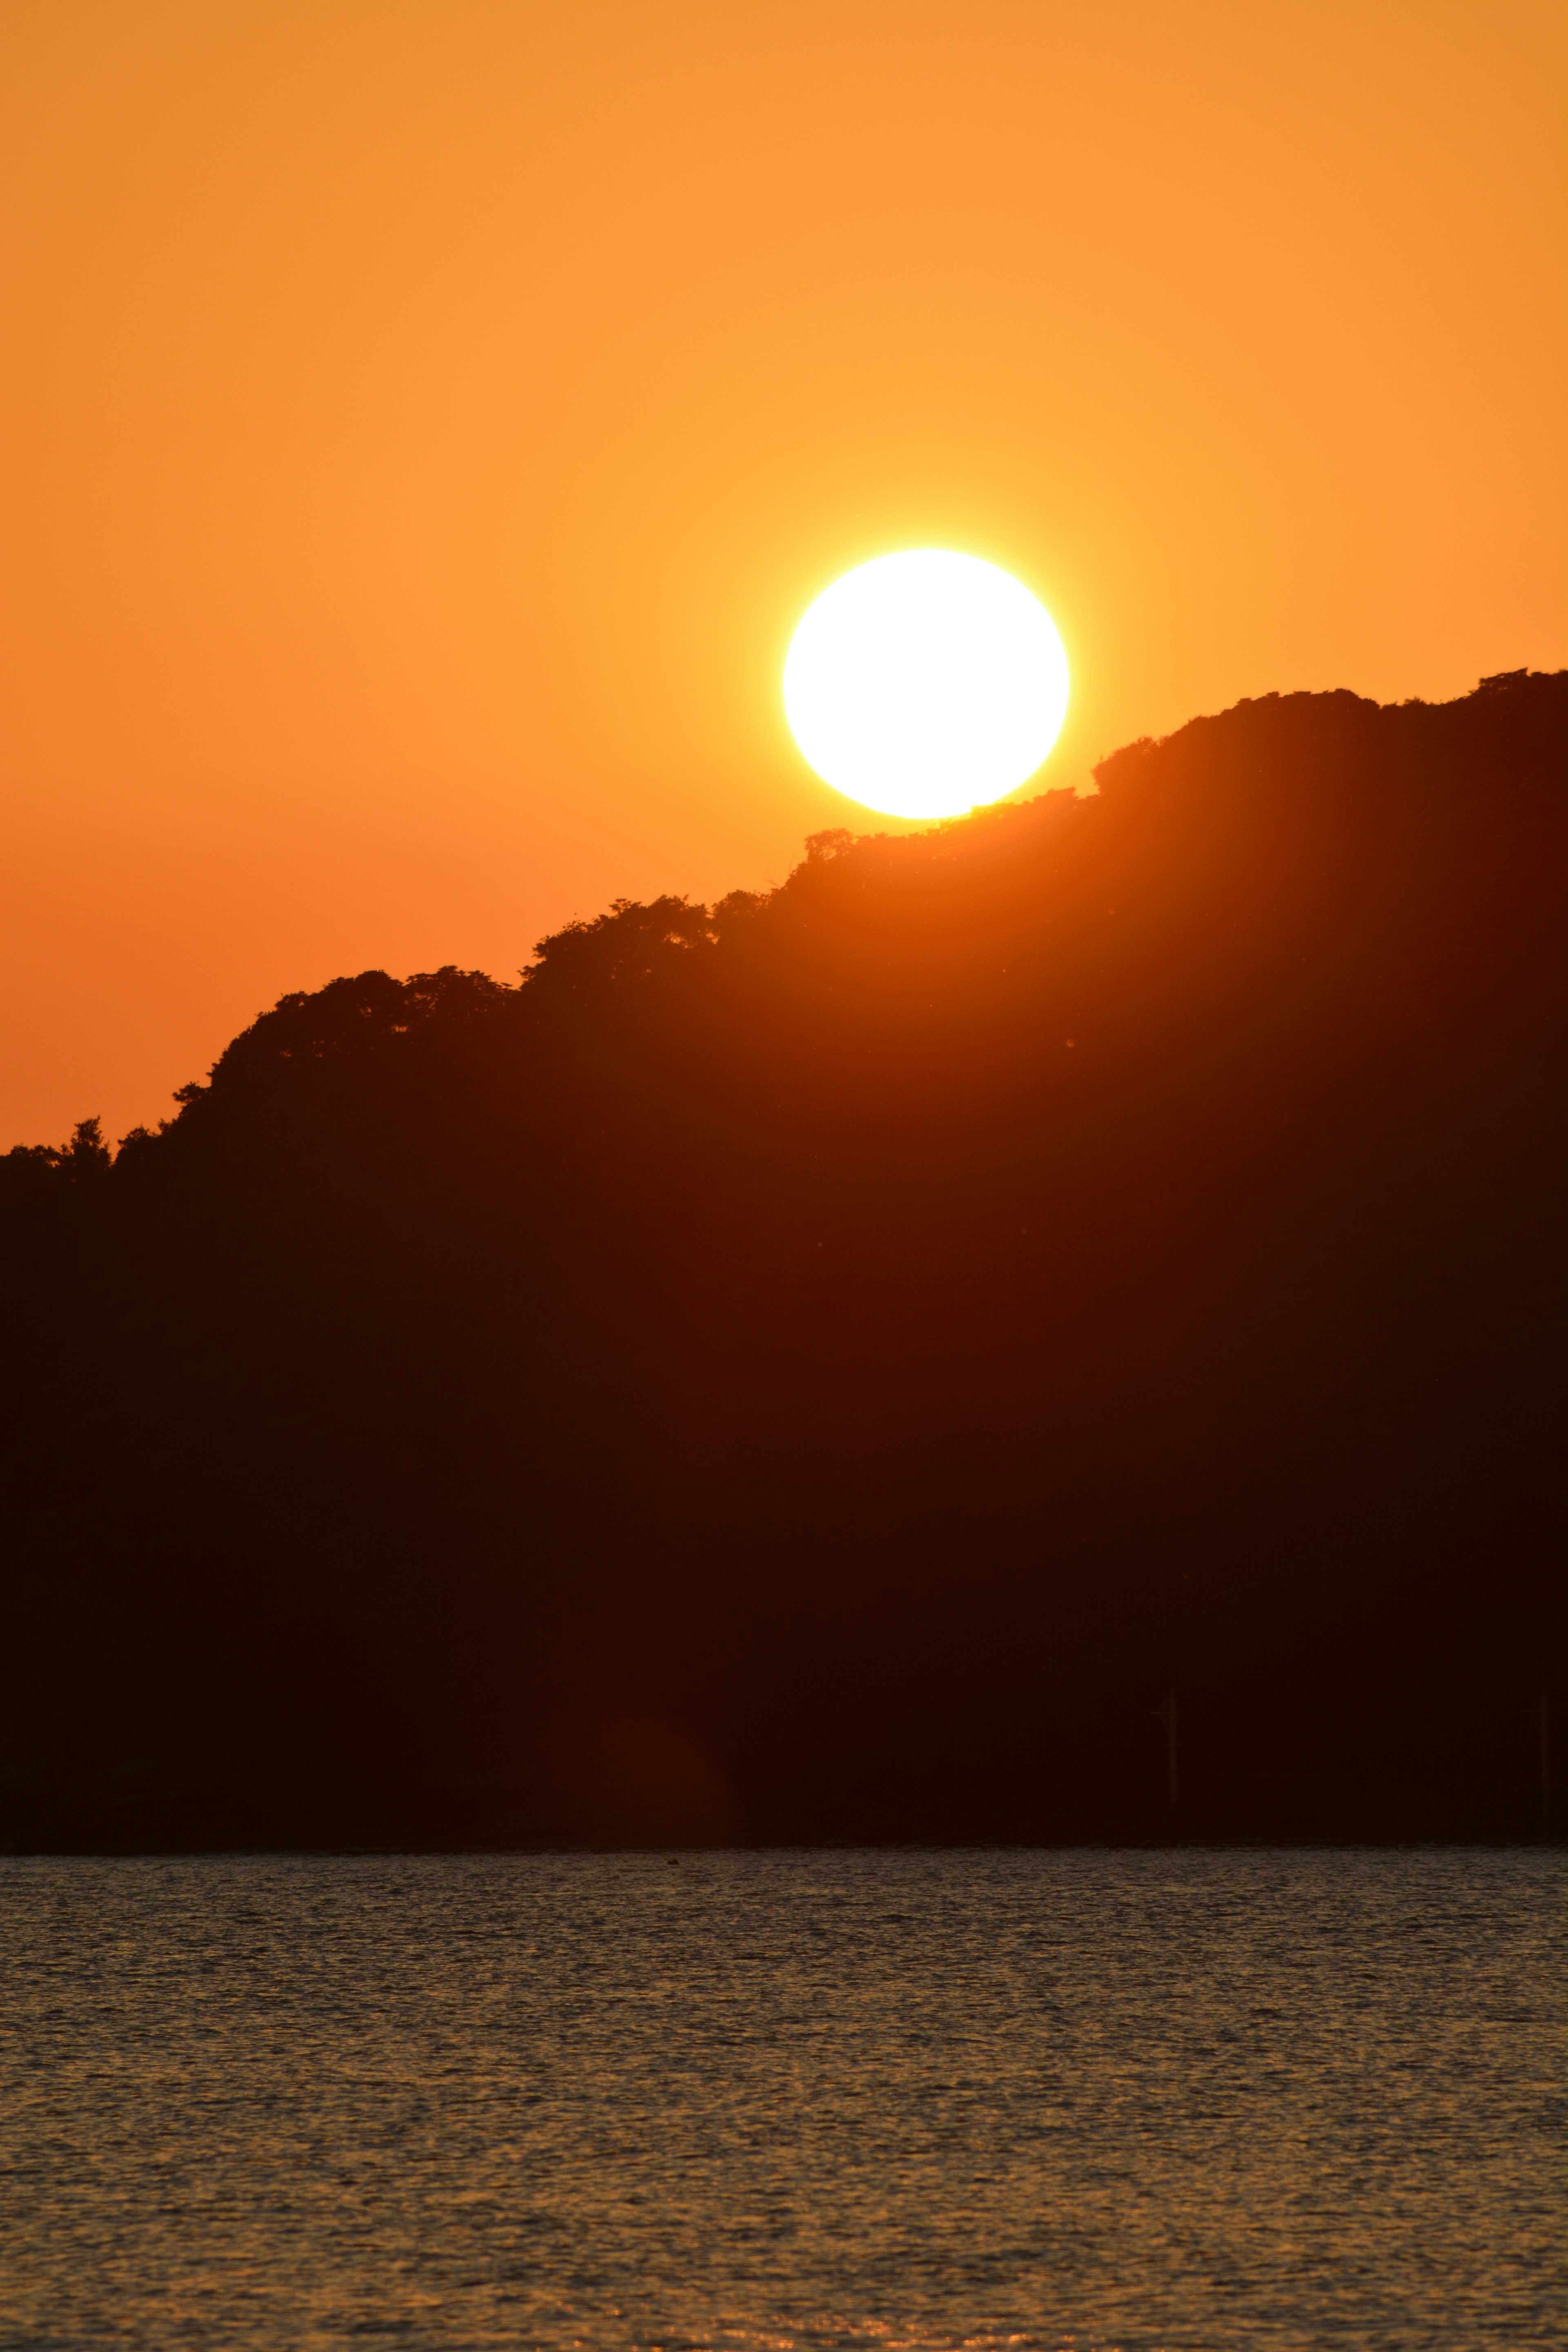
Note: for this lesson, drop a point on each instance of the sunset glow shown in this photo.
(424, 428)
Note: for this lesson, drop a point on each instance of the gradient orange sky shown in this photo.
(424, 421)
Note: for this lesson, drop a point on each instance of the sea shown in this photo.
(913, 2101)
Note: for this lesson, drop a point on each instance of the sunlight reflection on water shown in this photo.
(897, 2100)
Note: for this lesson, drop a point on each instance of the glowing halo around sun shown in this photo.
(925, 684)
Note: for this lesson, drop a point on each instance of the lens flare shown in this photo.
(925, 684)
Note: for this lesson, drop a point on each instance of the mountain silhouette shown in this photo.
(1045, 1328)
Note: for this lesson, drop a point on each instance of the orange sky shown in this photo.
(424, 421)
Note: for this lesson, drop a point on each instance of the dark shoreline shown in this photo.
(840, 1365)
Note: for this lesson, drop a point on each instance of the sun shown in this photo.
(925, 684)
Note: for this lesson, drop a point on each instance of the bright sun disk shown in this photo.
(925, 684)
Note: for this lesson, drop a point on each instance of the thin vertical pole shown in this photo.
(1172, 1727)
(1545, 1767)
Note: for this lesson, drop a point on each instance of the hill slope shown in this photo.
(852, 1363)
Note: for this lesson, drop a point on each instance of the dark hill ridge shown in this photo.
(838, 1364)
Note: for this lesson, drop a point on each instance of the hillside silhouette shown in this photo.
(1049, 1328)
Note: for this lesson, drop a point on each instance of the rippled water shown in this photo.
(888, 2099)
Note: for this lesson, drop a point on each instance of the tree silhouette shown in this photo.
(862, 1360)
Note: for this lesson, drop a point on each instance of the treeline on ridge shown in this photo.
(1047, 1327)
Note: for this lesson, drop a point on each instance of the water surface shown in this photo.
(770, 2100)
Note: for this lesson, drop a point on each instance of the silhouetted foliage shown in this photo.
(834, 1363)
